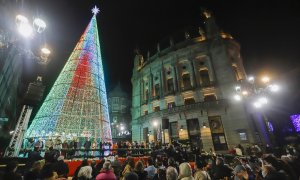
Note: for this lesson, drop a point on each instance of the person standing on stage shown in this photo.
(94, 146)
(87, 146)
(49, 144)
(29, 146)
(100, 149)
(58, 144)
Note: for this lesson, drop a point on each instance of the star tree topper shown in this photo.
(95, 10)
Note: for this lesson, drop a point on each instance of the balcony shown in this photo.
(176, 109)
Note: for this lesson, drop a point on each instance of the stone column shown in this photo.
(192, 74)
(162, 85)
(196, 74)
(178, 78)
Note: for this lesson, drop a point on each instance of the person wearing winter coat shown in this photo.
(106, 173)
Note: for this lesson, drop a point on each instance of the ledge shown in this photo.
(176, 109)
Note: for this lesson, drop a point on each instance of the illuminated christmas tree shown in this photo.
(76, 106)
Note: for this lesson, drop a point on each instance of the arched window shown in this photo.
(204, 77)
(186, 81)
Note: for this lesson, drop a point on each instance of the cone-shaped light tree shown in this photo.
(76, 106)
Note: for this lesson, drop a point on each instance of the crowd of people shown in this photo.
(169, 163)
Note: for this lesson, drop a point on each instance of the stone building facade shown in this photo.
(119, 112)
(184, 92)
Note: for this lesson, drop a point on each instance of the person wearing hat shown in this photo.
(201, 173)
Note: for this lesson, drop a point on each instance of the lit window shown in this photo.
(156, 108)
(243, 136)
(171, 105)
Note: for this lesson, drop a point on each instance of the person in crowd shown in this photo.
(61, 168)
(151, 170)
(48, 173)
(34, 155)
(129, 167)
(201, 172)
(116, 165)
(185, 172)
(232, 150)
(238, 150)
(94, 165)
(160, 174)
(85, 173)
(171, 173)
(139, 170)
(280, 166)
(83, 164)
(99, 166)
(10, 171)
(240, 173)
(221, 170)
(106, 173)
(269, 173)
(161, 170)
(35, 171)
(172, 162)
(131, 176)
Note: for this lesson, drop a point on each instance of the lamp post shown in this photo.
(257, 98)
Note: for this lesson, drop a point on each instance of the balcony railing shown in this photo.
(176, 109)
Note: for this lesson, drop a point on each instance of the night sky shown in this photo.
(268, 31)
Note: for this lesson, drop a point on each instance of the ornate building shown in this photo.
(119, 112)
(183, 91)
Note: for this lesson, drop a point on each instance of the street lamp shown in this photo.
(39, 25)
(257, 95)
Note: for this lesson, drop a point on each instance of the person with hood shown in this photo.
(221, 170)
(201, 173)
(185, 172)
(61, 168)
(171, 173)
(269, 173)
(106, 173)
(139, 170)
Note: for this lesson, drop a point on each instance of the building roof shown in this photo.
(117, 91)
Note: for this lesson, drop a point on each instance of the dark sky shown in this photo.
(268, 31)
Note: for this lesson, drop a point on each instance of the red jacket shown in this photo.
(106, 175)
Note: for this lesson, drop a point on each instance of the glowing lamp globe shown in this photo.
(39, 25)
